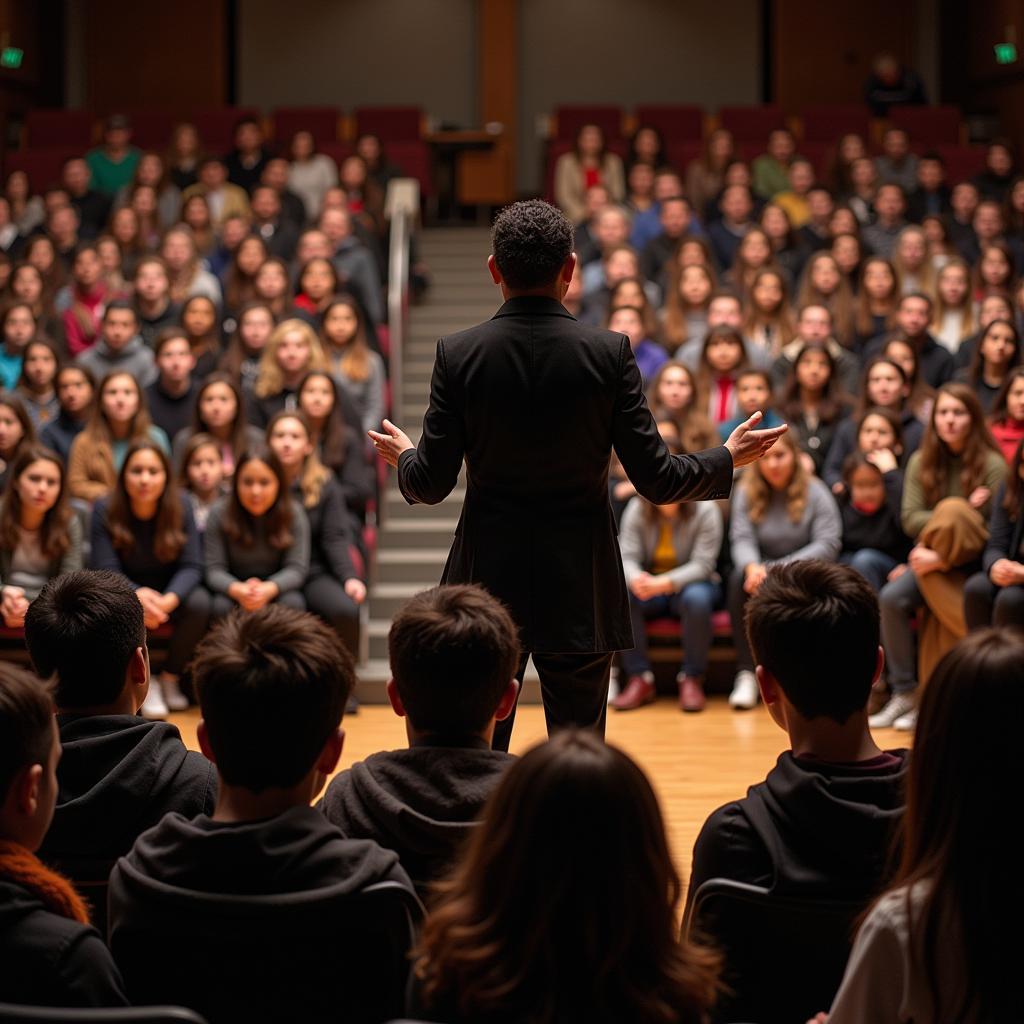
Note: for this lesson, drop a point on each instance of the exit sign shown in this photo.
(1006, 53)
(11, 57)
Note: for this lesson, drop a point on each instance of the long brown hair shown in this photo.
(169, 536)
(239, 433)
(977, 368)
(863, 401)
(674, 325)
(235, 355)
(238, 522)
(863, 322)
(53, 534)
(759, 491)
(97, 429)
(954, 873)
(782, 317)
(564, 954)
(334, 441)
(999, 408)
(28, 431)
(935, 457)
(833, 402)
(353, 358)
(1014, 496)
(314, 474)
(705, 374)
(695, 429)
(839, 303)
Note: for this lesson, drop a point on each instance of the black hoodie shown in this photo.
(118, 776)
(811, 829)
(421, 802)
(49, 960)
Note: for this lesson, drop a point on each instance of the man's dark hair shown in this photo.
(453, 652)
(84, 628)
(531, 241)
(919, 296)
(814, 626)
(119, 304)
(26, 723)
(272, 686)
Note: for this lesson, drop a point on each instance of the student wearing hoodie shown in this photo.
(120, 347)
(119, 774)
(272, 686)
(821, 824)
(50, 955)
(454, 653)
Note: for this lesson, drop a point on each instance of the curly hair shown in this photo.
(531, 241)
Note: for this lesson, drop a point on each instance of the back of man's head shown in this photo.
(272, 686)
(531, 241)
(84, 628)
(453, 651)
(814, 626)
(26, 723)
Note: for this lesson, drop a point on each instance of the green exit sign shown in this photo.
(1006, 53)
(11, 57)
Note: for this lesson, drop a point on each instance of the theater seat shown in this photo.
(962, 162)
(390, 124)
(751, 124)
(62, 129)
(216, 125)
(570, 119)
(320, 122)
(152, 129)
(676, 122)
(43, 166)
(829, 122)
(929, 126)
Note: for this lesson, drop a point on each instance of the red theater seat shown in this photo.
(677, 123)
(216, 126)
(390, 124)
(570, 119)
(828, 123)
(43, 166)
(751, 124)
(928, 126)
(320, 122)
(62, 129)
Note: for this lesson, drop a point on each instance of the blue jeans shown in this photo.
(693, 605)
(898, 602)
(873, 565)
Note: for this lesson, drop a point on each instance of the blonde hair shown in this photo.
(314, 473)
(966, 307)
(759, 493)
(269, 378)
(926, 275)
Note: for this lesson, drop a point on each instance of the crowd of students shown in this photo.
(878, 313)
(549, 884)
(190, 358)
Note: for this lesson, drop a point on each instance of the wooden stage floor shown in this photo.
(696, 761)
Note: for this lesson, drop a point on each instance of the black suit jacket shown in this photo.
(536, 401)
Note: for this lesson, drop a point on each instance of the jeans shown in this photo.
(873, 565)
(692, 606)
(898, 601)
(986, 604)
(738, 598)
(224, 605)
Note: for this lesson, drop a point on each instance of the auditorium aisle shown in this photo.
(414, 540)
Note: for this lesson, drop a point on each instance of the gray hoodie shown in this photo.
(135, 358)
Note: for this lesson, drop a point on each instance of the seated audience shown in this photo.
(794, 198)
(454, 653)
(184, 267)
(953, 319)
(889, 207)
(83, 303)
(120, 348)
(356, 367)
(669, 554)
(672, 396)
(685, 313)
(354, 262)
(40, 536)
(249, 156)
(997, 355)
(995, 596)
(201, 476)
(219, 412)
(771, 168)
(256, 544)
(767, 323)
(17, 329)
(753, 254)
(824, 285)
(912, 261)
(285, 676)
(16, 431)
(310, 174)
(51, 956)
(938, 944)
(913, 315)
(118, 418)
(814, 326)
(892, 84)
(1007, 419)
(897, 165)
(200, 321)
(589, 163)
(726, 232)
(753, 394)
(947, 495)
(119, 774)
(172, 396)
(821, 825)
(224, 198)
(723, 358)
(649, 355)
(75, 389)
(488, 954)
(241, 360)
(291, 351)
(779, 514)
(145, 531)
(112, 164)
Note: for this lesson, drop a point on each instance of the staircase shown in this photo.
(413, 543)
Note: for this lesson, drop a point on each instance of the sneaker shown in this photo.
(352, 705)
(691, 693)
(153, 707)
(744, 694)
(899, 704)
(907, 722)
(173, 697)
(638, 692)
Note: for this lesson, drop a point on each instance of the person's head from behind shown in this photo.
(29, 752)
(86, 630)
(272, 686)
(454, 651)
(802, 615)
(531, 249)
(563, 953)
(964, 773)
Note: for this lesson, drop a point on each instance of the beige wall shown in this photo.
(359, 52)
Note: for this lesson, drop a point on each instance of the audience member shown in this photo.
(897, 165)
(51, 956)
(154, 309)
(356, 367)
(112, 164)
(202, 476)
(120, 348)
(223, 197)
(75, 391)
(17, 329)
(889, 206)
(771, 168)
(36, 384)
(310, 174)
(588, 163)
(16, 431)
(997, 355)
(172, 396)
(1006, 422)
(249, 156)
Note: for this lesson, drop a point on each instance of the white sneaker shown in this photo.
(173, 697)
(900, 704)
(153, 707)
(744, 694)
(907, 722)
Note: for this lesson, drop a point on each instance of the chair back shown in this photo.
(784, 957)
(315, 956)
(12, 1014)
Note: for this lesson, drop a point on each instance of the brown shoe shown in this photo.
(638, 692)
(691, 693)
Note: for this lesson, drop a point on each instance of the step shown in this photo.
(386, 598)
(417, 532)
(411, 566)
(398, 509)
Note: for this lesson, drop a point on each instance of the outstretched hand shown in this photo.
(391, 443)
(747, 445)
